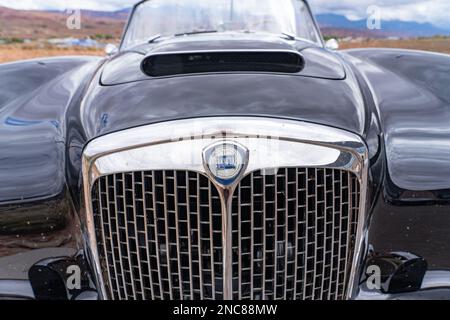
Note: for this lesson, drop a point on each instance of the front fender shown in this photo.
(412, 98)
(37, 217)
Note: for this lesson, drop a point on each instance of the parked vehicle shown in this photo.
(225, 151)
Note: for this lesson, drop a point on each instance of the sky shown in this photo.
(436, 12)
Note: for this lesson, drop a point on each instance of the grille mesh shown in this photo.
(160, 234)
(291, 236)
(159, 229)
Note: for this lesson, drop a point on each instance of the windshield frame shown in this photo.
(315, 23)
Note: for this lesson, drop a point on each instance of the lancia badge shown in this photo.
(225, 161)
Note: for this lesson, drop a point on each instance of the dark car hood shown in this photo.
(326, 93)
(112, 108)
(126, 67)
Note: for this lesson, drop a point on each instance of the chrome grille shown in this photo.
(293, 232)
(160, 234)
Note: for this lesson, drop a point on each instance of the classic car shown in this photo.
(225, 151)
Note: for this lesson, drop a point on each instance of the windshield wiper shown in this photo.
(289, 36)
(153, 38)
(195, 32)
(292, 37)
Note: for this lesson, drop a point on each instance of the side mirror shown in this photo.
(111, 49)
(332, 44)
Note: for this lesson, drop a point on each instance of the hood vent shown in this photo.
(160, 65)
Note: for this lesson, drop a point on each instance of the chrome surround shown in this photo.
(161, 146)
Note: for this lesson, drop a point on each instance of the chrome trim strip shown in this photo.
(200, 267)
(103, 234)
(264, 237)
(136, 235)
(272, 143)
(188, 209)
(306, 238)
(211, 237)
(177, 232)
(296, 235)
(147, 249)
(163, 53)
(118, 239)
(167, 244)
(157, 244)
(362, 232)
(127, 237)
(89, 227)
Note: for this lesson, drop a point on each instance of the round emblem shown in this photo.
(226, 161)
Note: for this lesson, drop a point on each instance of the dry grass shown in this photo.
(441, 45)
(9, 53)
(44, 25)
(15, 52)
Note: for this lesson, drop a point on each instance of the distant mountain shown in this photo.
(118, 15)
(105, 25)
(343, 25)
(29, 24)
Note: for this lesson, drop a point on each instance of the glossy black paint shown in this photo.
(126, 67)
(33, 100)
(240, 94)
(411, 90)
(37, 216)
(411, 95)
(398, 101)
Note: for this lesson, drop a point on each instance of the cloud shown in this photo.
(431, 11)
(101, 5)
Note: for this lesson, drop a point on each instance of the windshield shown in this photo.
(178, 17)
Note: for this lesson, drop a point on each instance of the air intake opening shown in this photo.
(205, 62)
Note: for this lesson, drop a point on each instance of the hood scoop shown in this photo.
(237, 54)
(179, 63)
